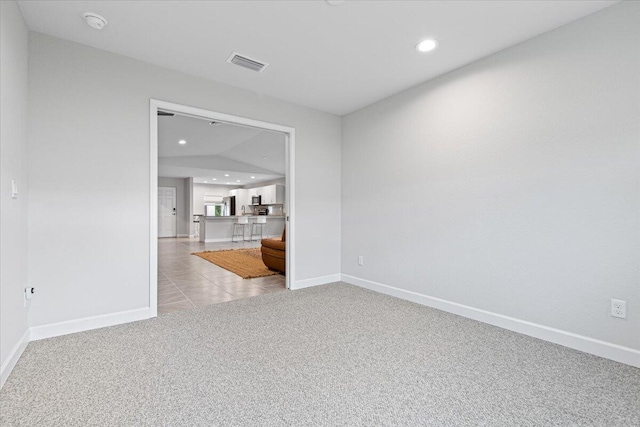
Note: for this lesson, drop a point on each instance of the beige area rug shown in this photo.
(246, 263)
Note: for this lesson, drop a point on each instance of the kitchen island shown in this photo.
(220, 228)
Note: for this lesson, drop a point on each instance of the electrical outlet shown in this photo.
(360, 260)
(619, 308)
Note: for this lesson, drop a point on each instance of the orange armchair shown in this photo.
(274, 253)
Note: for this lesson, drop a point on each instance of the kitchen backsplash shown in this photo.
(276, 210)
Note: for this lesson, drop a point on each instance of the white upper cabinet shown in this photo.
(267, 197)
(272, 195)
(279, 194)
(242, 199)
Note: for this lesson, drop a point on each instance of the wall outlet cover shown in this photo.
(619, 308)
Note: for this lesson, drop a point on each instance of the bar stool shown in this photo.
(261, 222)
(239, 228)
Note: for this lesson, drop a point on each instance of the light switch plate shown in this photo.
(14, 189)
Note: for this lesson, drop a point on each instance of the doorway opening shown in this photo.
(244, 200)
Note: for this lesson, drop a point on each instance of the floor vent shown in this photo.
(245, 62)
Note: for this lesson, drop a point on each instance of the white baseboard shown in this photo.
(223, 239)
(316, 281)
(12, 359)
(87, 323)
(183, 235)
(600, 348)
(228, 239)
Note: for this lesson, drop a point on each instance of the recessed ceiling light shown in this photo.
(264, 157)
(94, 20)
(213, 179)
(253, 177)
(205, 182)
(228, 183)
(237, 180)
(226, 174)
(182, 142)
(427, 45)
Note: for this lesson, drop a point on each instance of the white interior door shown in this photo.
(167, 225)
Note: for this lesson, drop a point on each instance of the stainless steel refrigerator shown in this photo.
(229, 206)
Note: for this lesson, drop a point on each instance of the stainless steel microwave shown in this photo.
(256, 200)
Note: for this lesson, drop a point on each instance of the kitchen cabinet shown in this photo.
(242, 199)
(267, 195)
(280, 193)
(270, 194)
(273, 195)
(245, 199)
(220, 228)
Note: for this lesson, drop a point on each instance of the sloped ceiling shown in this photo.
(246, 155)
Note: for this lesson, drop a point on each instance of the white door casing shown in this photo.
(167, 225)
(289, 197)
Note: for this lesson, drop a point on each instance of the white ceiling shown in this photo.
(333, 58)
(247, 155)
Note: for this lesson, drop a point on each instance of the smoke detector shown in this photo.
(94, 20)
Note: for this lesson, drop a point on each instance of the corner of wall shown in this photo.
(14, 355)
(14, 78)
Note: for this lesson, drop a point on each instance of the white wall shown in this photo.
(13, 165)
(199, 190)
(183, 219)
(89, 254)
(511, 185)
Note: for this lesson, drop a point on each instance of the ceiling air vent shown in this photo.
(246, 62)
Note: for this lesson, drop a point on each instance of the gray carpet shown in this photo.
(326, 356)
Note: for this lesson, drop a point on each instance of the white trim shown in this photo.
(220, 240)
(316, 281)
(183, 235)
(13, 357)
(600, 348)
(289, 132)
(229, 239)
(88, 323)
(289, 214)
(190, 194)
(153, 210)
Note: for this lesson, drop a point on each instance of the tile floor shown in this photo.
(186, 281)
